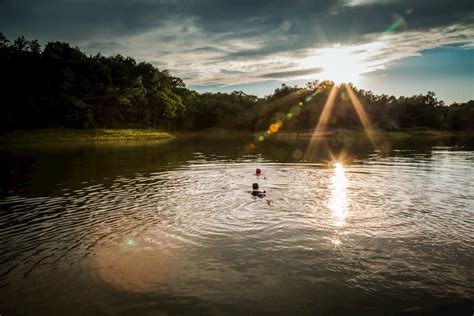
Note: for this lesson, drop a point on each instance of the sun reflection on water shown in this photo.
(338, 202)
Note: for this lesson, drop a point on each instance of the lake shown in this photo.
(170, 227)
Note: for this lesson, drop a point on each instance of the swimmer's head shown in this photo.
(258, 171)
(255, 186)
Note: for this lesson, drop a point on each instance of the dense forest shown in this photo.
(60, 86)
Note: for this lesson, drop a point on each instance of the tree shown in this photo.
(59, 85)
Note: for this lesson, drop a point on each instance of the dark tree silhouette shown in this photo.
(60, 86)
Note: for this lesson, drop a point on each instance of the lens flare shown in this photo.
(363, 116)
(274, 128)
(133, 258)
(314, 144)
(398, 23)
(130, 242)
(297, 154)
(295, 110)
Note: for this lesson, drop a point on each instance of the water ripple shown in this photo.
(406, 223)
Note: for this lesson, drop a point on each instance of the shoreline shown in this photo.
(127, 135)
(77, 136)
(346, 133)
(334, 133)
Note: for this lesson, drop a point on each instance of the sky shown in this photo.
(399, 47)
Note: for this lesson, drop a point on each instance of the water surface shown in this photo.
(147, 228)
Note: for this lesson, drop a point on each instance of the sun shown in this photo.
(339, 64)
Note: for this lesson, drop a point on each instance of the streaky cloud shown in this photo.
(292, 74)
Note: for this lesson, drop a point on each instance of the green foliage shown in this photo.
(281, 92)
(299, 110)
(60, 86)
(79, 113)
(460, 116)
(236, 110)
(87, 135)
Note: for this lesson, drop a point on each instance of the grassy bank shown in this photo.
(100, 135)
(93, 135)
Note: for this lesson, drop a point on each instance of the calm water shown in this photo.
(157, 228)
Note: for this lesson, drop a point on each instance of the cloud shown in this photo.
(232, 42)
(398, 46)
(231, 72)
(292, 74)
(216, 60)
(354, 3)
(105, 46)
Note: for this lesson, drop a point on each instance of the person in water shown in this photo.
(258, 173)
(257, 192)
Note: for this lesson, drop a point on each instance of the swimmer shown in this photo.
(258, 173)
(257, 192)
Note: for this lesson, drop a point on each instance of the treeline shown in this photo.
(297, 109)
(60, 86)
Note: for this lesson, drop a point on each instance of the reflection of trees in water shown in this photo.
(39, 168)
(325, 149)
(14, 170)
(132, 255)
(329, 148)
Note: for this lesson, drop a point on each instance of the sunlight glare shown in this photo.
(338, 201)
(339, 64)
(363, 117)
(314, 143)
(336, 242)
